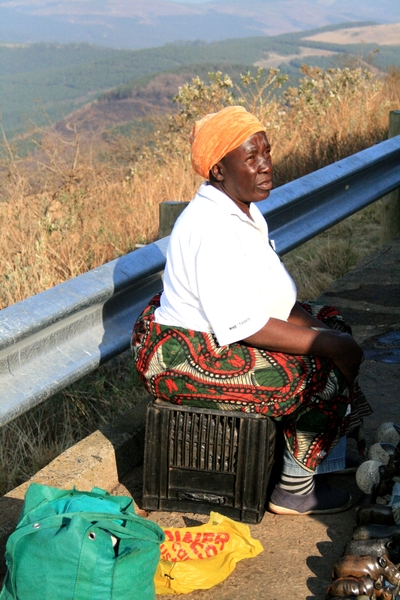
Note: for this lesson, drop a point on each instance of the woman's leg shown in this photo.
(335, 460)
(188, 367)
(298, 493)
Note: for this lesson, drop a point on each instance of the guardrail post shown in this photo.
(169, 212)
(390, 218)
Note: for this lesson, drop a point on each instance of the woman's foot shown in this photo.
(324, 499)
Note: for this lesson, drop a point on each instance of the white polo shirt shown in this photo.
(222, 275)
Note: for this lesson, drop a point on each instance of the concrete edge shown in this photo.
(99, 460)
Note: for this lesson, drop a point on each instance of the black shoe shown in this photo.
(324, 499)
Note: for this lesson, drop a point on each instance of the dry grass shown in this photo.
(35, 438)
(58, 224)
(74, 205)
(69, 208)
(333, 253)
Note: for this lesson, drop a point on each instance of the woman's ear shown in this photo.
(217, 172)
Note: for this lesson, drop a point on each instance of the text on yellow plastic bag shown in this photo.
(201, 557)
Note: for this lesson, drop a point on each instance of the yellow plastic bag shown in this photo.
(194, 558)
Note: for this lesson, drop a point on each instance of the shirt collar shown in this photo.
(210, 192)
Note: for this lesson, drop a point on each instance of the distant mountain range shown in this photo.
(148, 23)
(98, 88)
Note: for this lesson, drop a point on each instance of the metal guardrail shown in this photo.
(56, 337)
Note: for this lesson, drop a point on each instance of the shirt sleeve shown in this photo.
(228, 287)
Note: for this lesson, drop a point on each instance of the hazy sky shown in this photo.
(191, 1)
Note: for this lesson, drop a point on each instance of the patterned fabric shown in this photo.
(308, 393)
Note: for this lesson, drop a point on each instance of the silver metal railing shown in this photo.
(54, 338)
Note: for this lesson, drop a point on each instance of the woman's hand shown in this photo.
(347, 353)
(348, 356)
(283, 336)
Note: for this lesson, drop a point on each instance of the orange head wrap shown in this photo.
(218, 133)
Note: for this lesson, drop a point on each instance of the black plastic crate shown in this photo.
(197, 460)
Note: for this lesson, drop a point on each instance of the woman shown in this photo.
(227, 330)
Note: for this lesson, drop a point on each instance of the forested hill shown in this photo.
(49, 81)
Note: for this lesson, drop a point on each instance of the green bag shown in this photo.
(72, 545)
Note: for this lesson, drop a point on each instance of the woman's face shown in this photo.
(245, 174)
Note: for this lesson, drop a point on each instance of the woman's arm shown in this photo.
(293, 337)
(299, 316)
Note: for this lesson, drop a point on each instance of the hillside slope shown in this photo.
(43, 81)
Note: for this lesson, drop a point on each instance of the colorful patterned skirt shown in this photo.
(308, 394)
